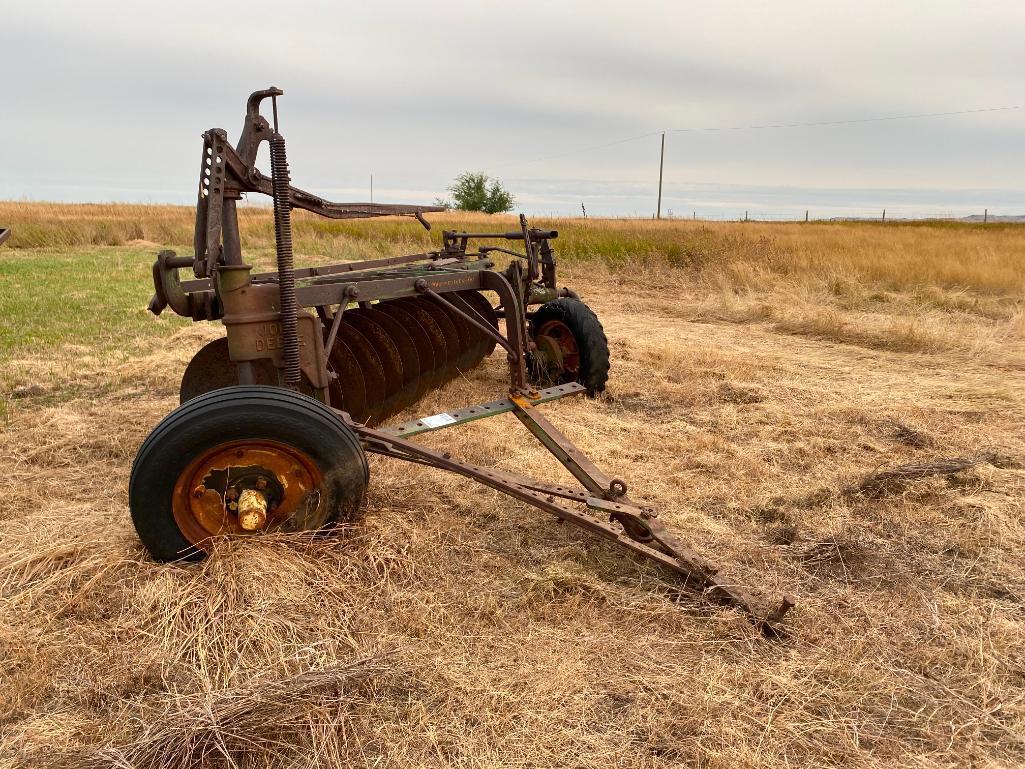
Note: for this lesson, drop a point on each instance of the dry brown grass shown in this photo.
(455, 628)
(936, 262)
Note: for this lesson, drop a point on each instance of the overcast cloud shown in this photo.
(106, 100)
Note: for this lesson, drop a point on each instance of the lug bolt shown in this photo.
(198, 491)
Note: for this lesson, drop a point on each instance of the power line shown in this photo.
(576, 151)
(760, 127)
(848, 122)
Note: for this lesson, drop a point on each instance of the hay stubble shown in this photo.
(454, 627)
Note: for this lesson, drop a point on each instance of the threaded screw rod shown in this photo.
(286, 265)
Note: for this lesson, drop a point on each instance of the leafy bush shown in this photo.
(478, 192)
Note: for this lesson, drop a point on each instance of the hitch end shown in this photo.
(168, 290)
(771, 625)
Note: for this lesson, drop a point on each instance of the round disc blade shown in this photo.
(421, 340)
(434, 333)
(483, 307)
(370, 367)
(211, 369)
(403, 342)
(348, 391)
(467, 357)
(448, 368)
(387, 353)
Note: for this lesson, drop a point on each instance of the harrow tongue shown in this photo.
(607, 511)
(277, 416)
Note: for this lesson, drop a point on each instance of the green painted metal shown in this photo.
(481, 411)
(410, 271)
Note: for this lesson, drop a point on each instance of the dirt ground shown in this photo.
(454, 627)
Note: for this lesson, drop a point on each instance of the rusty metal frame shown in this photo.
(608, 512)
(253, 308)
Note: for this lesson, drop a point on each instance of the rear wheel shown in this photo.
(244, 460)
(571, 346)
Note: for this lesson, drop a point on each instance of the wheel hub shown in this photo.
(550, 351)
(558, 348)
(244, 487)
(252, 510)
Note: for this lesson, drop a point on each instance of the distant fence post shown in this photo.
(985, 216)
(806, 216)
(745, 216)
(884, 214)
(694, 215)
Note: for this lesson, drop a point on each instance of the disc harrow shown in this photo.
(390, 354)
(277, 416)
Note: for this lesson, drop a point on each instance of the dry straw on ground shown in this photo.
(456, 628)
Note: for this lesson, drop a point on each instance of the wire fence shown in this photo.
(809, 215)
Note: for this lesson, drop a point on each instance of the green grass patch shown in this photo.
(93, 297)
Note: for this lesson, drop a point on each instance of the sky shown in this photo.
(563, 101)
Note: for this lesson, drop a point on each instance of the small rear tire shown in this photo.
(571, 346)
(291, 453)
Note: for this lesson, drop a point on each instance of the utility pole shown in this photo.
(661, 161)
(985, 216)
(371, 188)
(884, 215)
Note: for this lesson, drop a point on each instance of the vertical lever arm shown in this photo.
(528, 244)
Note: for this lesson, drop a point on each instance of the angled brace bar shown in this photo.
(479, 324)
(348, 295)
(515, 326)
(582, 468)
(695, 569)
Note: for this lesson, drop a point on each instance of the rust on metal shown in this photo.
(370, 339)
(209, 495)
(558, 351)
(252, 509)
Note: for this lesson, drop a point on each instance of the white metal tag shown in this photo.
(439, 420)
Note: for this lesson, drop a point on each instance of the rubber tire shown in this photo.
(234, 413)
(589, 335)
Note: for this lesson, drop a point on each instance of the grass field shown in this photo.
(796, 398)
